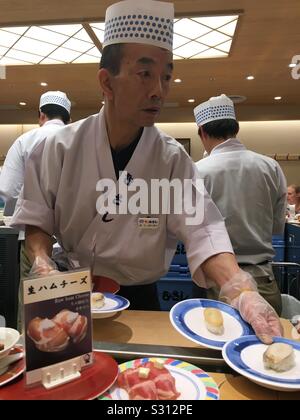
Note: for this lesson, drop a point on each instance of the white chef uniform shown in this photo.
(12, 174)
(60, 198)
(249, 189)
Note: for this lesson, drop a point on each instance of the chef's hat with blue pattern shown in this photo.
(216, 108)
(55, 98)
(140, 21)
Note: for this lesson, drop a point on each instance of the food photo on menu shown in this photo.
(57, 330)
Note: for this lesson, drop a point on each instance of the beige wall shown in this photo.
(267, 137)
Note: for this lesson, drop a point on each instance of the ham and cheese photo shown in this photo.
(54, 335)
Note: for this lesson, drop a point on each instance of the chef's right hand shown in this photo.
(255, 310)
(43, 266)
(241, 292)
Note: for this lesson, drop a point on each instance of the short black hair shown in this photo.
(221, 129)
(56, 111)
(111, 58)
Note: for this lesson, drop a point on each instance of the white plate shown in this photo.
(245, 356)
(187, 317)
(192, 383)
(9, 337)
(113, 304)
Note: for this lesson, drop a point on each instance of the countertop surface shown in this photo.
(155, 328)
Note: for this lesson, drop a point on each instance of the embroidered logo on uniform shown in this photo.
(148, 222)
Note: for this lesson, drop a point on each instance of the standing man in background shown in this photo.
(54, 113)
(249, 189)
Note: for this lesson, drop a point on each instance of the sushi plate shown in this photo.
(113, 304)
(245, 356)
(192, 383)
(187, 317)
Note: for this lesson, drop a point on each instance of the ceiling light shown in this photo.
(24, 56)
(44, 35)
(250, 77)
(211, 53)
(278, 98)
(57, 44)
(292, 65)
(8, 39)
(177, 81)
(215, 22)
(213, 38)
(67, 30)
(22, 103)
(191, 101)
(190, 49)
(44, 84)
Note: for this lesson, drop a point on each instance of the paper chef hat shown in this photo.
(216, 108)
(56, 98)
(140, 21)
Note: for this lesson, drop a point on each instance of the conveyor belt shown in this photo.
(209, 360)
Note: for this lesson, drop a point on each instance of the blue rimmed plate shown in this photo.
(245, 356)
(113, 304)
(187, 317)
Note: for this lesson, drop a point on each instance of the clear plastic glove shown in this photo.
(43, 266)
(241, 292)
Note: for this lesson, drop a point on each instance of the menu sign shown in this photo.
(57, 326)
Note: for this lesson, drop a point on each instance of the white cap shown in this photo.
(56, 98)
(140, 21)
(216, 108)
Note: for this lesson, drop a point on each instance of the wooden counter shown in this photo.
(141, 327)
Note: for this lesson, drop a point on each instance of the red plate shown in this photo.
(94, 381)
(105, 285)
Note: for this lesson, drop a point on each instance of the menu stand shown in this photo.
(61, 373)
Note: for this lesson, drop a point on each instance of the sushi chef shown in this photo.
(249, 189)
(121, 144)
(54, 113)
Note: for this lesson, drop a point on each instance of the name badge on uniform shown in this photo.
(148, 222)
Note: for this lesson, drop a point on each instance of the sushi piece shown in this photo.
(214, 321)
(279, 357)
(98, 300)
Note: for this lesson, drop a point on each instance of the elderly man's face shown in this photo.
(141, 87)
(291, 195)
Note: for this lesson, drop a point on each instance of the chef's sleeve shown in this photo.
(36, 204)
(12, 173)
